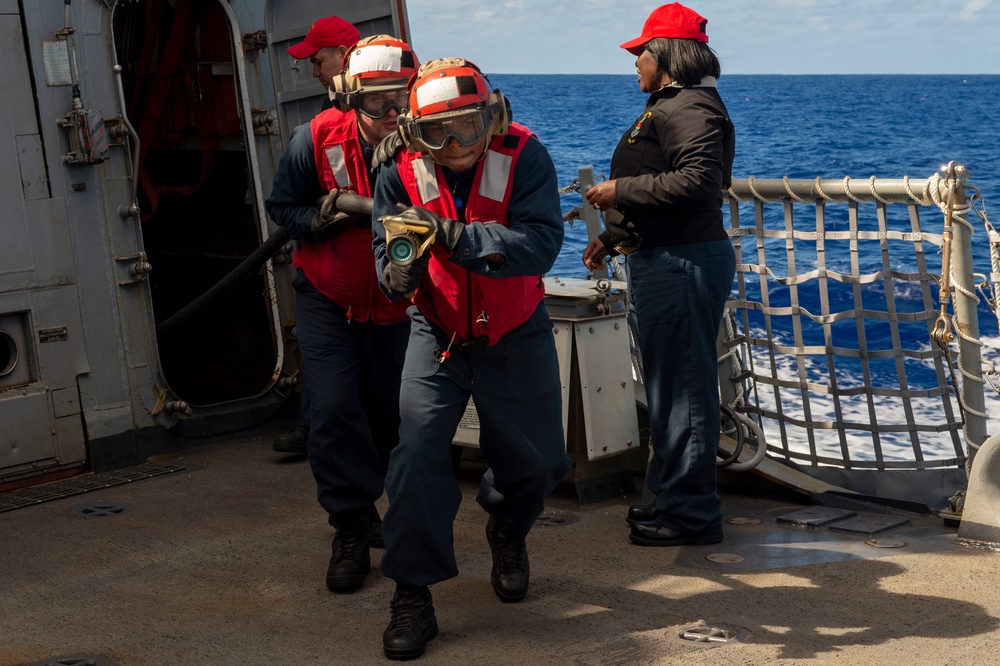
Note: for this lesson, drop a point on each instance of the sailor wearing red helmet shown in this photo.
(487, 189)
(351, 336)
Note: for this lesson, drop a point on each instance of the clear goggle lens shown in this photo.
(377, 104)
(467, 129)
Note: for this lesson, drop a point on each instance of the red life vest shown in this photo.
(468, 305)
(343, 267)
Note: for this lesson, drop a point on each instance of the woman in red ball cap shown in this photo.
(663, 210)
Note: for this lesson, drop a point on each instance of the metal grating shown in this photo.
(84, 484)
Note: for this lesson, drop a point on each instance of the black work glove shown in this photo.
(446, 231)
(387, 148)
(405, 279)
(328, 221)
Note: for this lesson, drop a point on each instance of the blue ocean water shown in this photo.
(797, 126)
(803, 127)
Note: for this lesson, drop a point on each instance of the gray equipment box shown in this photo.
(600, 420)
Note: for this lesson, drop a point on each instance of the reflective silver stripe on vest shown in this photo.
(427, 184)
(496, 174)
(335, 157)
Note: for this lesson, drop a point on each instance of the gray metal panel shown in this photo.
(58, 334)
(299, 95)
(19, 115)
(65, 402)
(563, 332)
(602, 350)
(30, 443)
(50, 242)
(15, 253)
(31, 163)
(39, 306)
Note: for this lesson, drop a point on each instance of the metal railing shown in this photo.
(846, 327)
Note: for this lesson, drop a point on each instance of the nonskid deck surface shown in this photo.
(224, 563)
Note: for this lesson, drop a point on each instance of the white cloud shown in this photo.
(821, 23)
(973, 8)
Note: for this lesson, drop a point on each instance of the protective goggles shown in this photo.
(377, 104)
(467, 128)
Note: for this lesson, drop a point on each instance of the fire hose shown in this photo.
(346, 203)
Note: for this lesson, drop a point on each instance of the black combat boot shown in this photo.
(293, 441)
(510, 564)
(641, 513)
(376, 521)
(412, 624)
(351, 559)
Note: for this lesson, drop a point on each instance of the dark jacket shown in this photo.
(670, 169)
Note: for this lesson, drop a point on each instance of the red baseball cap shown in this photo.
(329, 31)
(673, 21)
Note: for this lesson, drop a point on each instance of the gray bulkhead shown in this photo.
(141, 138)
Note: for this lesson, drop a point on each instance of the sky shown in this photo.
(749, 36)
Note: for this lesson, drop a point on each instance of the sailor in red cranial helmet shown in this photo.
(351, 336)
(479, 195)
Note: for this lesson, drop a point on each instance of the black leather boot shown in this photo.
(510, 564)
(412, 624)
(641, 513)
(351, 559)
(376, 521)
(293, 441)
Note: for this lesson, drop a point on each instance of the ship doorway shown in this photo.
(198, 216)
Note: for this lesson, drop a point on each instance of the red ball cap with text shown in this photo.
(326, 32)
(673, 21)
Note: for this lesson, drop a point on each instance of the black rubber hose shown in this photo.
(723, 460)
(346, 203)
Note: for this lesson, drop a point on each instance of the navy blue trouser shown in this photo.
(677, 294)
(352, 370)
(516, 390)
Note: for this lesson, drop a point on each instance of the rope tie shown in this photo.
(818, 187)
(788, 188)
(847, 190)
(871, 188)
(736, 196)
(758, 194)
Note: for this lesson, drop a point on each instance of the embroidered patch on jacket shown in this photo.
(638, 126)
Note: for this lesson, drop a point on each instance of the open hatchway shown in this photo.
(196, 195)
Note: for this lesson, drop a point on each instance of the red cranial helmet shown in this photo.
(450, 98)
(376, 64)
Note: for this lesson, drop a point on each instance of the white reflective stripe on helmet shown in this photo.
(375, 58)
(436, 91)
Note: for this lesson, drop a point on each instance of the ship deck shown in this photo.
(222, 561)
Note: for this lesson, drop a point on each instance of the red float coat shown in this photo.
(468, 305)
(343, 267)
